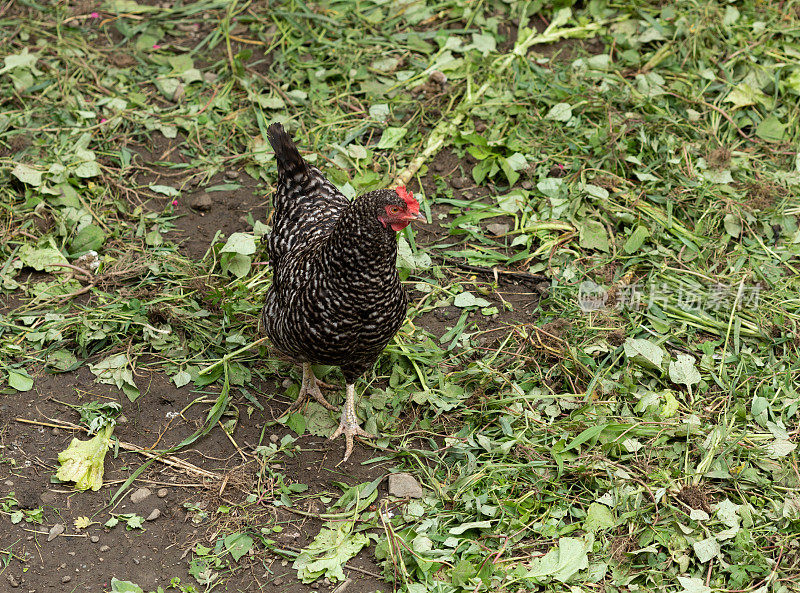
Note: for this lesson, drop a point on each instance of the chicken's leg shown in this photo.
(349, 423)
(310, 386)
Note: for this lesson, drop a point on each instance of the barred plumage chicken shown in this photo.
(336, 297)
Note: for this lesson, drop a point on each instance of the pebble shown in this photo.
(55, 531)
(13, 581)
(104, 548)
(404, 485)
(438, 77)
(56, 430)
(278, 582)
(480, 127)
(438, 167)
(162, 492)
(498, 228)
(140, 495)
(287, 383)
(154, 514)
(8, 483)
(231, 174)
(458, 182)
(527, 184)
(274, 438)
(123, 419)
(66, 578)
(94, 539)
(201, 202)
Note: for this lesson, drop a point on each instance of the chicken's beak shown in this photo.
(420, 217)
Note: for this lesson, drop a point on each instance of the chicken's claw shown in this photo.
(311, 386)
(348, 425)
(350, 430)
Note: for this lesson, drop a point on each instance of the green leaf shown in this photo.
(116, 370)
(459, 529)
(241, 243)
(296, 422)
(41, 258)
(644, 352)
(89, 238)
(166, 190)
(636, 240)
(706, 549)
(238, 544)
(593, 235)
(391, 137)
(237, 264)
(693, 585)
(333, 546)
(124, 587)
(733, 225)
(560, 112)
(771, 129)
(20, 380)
(683, 371)
(27, 175)
(467, 299)
(561, 563)
(63, 360)
(319, 421)
(743, 95)
(598, 516)
(182, 378)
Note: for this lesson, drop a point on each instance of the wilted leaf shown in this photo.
(82, 462)
(593, 235)
(27, 175)
(644, 352)
(560, 112)
(20, 380)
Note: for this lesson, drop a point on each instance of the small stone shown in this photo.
(404, 485)
(55, 531)
(527, 184)
(438, 166)
(8, 483)
(94, 539)
(210, 76)
(162, 492)
(56, 430)
(66, 578)
(458, 182)
(278, 582)
(231, 174)
(104, 548)
(140, 495)
(287, 383)
(154, 514)
(284, 562)
(274, 438)
(123, 419)
(438, 77)
(498, 228)
(201, 202)
(12, 580)
(136, 561)
(480, 127)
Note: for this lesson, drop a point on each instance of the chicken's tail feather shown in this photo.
(289, 160)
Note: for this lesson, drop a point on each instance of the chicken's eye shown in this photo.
(394, 209)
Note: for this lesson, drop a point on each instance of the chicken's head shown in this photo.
(400, 210)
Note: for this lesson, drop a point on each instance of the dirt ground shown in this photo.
(86, 559)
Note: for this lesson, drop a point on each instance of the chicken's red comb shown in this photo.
(407, 197)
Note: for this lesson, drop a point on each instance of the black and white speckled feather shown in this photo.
(336, 296)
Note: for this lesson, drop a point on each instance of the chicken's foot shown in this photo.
(348, 425)
(310, 386)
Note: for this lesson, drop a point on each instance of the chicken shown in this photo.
(335, 298)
